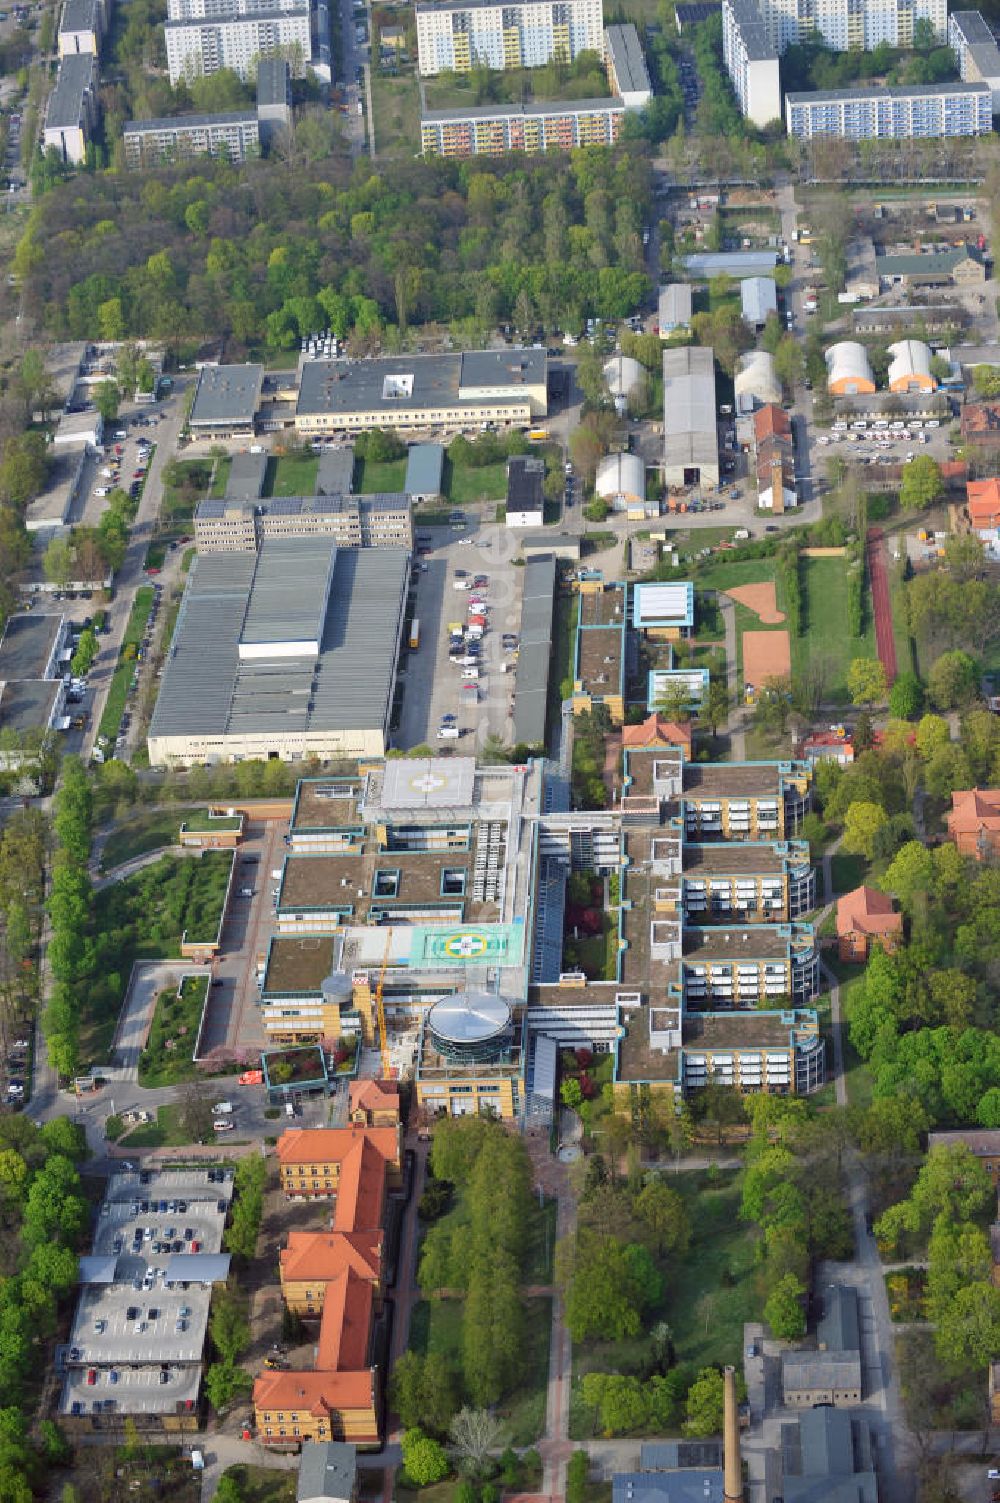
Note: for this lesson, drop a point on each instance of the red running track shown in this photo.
(881, 602)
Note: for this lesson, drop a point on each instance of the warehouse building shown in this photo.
(756, 382)
(955, 109)
(424, 472)
(274, 98)
(71, 115)
(751, 61)
(976, 51)
(758, 300)
(621, 481)
(674, 307)
(32, 692)
(910, 367)
(507, 387)
(226, 400)
(456, 38)
(690, 439)
(627, 73)
(493, 129)
(380, 521)
(849, 372)
(287, 652)
(532, 681)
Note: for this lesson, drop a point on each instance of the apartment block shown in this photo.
(378, 521)
(751, 61)
(72, 110)
(845, 25)
(81, 27)
(956, 109)
(238, 41)
(976, 51)
(234, 134)
(627, 72)
(522, 34)
(492, 130)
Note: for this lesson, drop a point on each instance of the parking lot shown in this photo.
(432, 682)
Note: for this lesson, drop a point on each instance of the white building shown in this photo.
(758, 299)
(522, 34)
(845, 25)
(849, 372)
(927, 110)
(751, 60)
(976, 51)
(71, 114)
(674, 307)
(79, 430)
(756, 383)
(81, 27)
(237, 42)
(690, 436)
(621, 481)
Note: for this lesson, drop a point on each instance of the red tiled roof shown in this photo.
(655, 730)
(346, 1323)
(374, 1096)
(361, 1191)
(319, 1392)
(867, 911)
(325, 1145)
(324, 1255)
(974, 809)
(983, 497)
(771, 422)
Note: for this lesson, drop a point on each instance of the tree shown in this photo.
(229, 1490)
(968, 1329)
(225, 1383)
(674, 701)
(866, 682)
(714, 708)
(861, 824)
(424, 1459)
(784, 1309)
(609, 1285)
(59, 562)
(932, 733)
(953, 680)
(705, 1404)
(229, 1327)
(922, 484)
(906, 697)
(107, 399)
(910, 874)
(475, 1433)
(664, 1212)
(577, 1473)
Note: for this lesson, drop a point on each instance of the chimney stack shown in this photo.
(732, 1474)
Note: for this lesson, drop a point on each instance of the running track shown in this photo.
(881, 603)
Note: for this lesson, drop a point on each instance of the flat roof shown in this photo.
(27, 644)
(288, 600)
(879, 92)
(179, 123)
(431, 381)
(206, 688)
(327, 803)
(732, 779)
(627, 59)
(750, 942)
(551, 108)
(80, 15)
(753, 31)
(298, 963)
(273, 77)
(27, 704)
(335, 471)
(77, 73)
(663, 604)
(227, 393)
(424, 468)
(245, 481)
(531, 681)
(348, 881)
(736, 857)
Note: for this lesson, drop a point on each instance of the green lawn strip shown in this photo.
(564, 621)
(261, 1484)
(541, 1236)
(291, 475)
(436, 1326)
(168, 1131)
(220, 478)
(466, 486)
(848, 872)
(122, 678)
(396, 106)
(824, 614)
(166, 1059)
(146, 832)
(142, 918)
(379, 476)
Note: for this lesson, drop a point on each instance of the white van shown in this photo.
(448, 733)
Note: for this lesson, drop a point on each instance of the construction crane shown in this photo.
(380, 1009)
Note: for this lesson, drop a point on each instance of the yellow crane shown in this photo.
(380, 1009)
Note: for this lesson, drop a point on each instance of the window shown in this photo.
(453, 880)
(386, 883)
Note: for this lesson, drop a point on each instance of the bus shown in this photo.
(537, 435)
(414, 635)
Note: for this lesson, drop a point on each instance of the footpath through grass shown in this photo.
(145, 832)
(135, 628)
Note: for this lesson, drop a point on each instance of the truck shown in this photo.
(222, 1109)
(414, 634)
(448, 733)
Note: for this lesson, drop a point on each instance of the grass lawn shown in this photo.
(373, 476)
(118, 692)
(564, 620)
(168, 1131)
(261, 1484)
(436, 1326)
(220, 477)
(146, 832)
(464, 486)
(707, 1297)
(291, 475)
(396, 107)
(847, 872)
(178, 502)
(538, 1266)
(166, 1059)
(824, 612)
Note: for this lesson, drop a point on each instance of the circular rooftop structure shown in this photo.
(337, 988)
(471, 1026)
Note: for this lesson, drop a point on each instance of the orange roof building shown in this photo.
(335, 1275)
(974, 821)
(983, 501)
(374, 1103)
(771, 422)
(656, 730)
(865, 916)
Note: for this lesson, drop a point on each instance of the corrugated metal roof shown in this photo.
(197, 1268)
(532, 682)
(288, 599)
(424, 468)
(689, 431)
